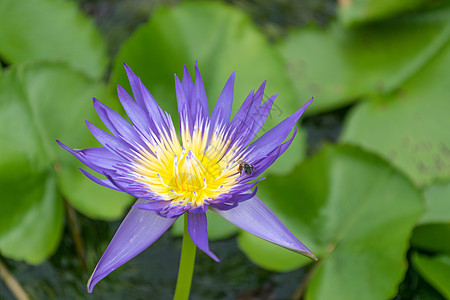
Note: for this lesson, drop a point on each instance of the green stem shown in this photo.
(186, 265)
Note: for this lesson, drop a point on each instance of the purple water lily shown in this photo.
(214, 167)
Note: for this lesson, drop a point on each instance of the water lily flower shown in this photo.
(214, 167)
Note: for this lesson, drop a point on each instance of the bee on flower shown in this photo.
(209, 169)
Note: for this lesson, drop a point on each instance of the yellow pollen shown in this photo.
(190, 174)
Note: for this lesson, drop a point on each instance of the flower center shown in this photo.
(191, 174)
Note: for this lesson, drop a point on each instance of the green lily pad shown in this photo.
(410, 127)
(32, 215)
(432, 237)
(433, 232)
(52, 31)
(355, 213)
(437, 200)
(31, 218)
(436, 270)
(338, 65)
(222, 39)
(360, 11)
(38, 104)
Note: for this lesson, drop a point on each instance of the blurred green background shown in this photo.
(365, 185)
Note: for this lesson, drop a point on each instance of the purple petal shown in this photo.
(266, 162)
(234, 200)
(139, 229)
(100, 108)
(137, 115)
(102, 182)
(222, 110)
(98, 159)
(101, 157)
(153, 205)
(183, 105)
(243, 196)
(250, 116)
(255, 217)
(187, 83)
(106, 139)
(154, 111)
(144, 99)
(257, 99)
(197, 226)
(275, 136)
(199, 93)
(115, 122)
(243, 111)
(194, 106)
(126, 185)
(135, 84)
(259, 118)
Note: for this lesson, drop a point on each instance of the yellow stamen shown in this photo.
(192, 173)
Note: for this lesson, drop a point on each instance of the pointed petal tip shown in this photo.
(177, 79)
(97, 104)
(197, 70)
(92, 282)
(213, 256)
(303, 108)
(308, 254)
(120, 89)
(300, 248)
(255, 217)
(130, 74)
(89, 285)
(63, 146)
(313, 257)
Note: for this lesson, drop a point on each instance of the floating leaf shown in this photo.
(437, 204)
(436, 270)
(339, 65)
(222, 39)
(433, 233)
(31, 218)
(410, 128)
(51, 30)
(432, 237)
(356, 214)
(38, 104)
